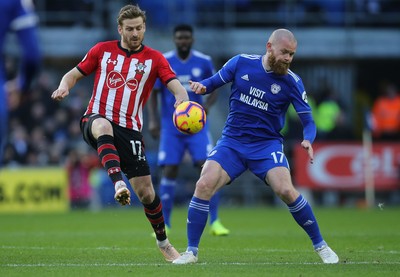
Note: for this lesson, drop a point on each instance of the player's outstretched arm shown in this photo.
(178, 91)
(309, 133)
(68, 81)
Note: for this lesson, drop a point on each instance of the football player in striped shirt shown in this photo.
(262, 88)
(125, 71)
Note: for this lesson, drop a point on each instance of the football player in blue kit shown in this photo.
(188, 64)
(17, 16)
(262, 88)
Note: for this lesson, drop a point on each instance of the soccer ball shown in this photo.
(189, 117)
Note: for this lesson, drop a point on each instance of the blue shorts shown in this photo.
(259, 157)
(174, 144)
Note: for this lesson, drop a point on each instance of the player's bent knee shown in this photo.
(101, 126)
(145, 195)
(204, 189)
(287, 194)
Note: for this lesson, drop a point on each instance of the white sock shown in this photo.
(162, 243)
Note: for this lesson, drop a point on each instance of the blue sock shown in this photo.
(214, 203)
(196, 222)
(304, 216)
(167, 194)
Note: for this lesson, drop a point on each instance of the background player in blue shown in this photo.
(17, 16)
(262, 89)
(188, 64)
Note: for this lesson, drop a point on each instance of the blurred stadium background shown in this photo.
(347, 50)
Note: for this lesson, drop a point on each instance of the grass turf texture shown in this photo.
(264, 241)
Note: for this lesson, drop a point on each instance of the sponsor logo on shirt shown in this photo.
(114, 62)
(115, 80)
(255, 98)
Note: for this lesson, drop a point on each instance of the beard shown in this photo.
(183, 52)
(132, 44)
(278, 67)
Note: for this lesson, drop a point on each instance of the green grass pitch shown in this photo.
(264, 241)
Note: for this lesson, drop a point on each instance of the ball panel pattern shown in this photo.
(189, 117)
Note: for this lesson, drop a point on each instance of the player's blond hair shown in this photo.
(130, 12)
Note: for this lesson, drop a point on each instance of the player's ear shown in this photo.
(268, 46)
(119, 29)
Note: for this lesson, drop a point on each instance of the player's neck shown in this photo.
(265, 63)
(130, 50)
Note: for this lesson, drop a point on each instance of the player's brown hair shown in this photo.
(129, 12)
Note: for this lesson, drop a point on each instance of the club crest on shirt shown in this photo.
(275, 88)
(140, 68)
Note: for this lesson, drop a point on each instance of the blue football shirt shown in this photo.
(259, 99)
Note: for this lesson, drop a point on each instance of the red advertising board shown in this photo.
(341, 166)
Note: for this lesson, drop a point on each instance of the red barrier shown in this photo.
(341, 166)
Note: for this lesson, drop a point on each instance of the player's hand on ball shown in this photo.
(178, 102)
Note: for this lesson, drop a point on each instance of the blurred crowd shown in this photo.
(236, 13)
(385, 113)
(42, 132)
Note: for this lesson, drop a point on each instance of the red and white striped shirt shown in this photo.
(123, 81)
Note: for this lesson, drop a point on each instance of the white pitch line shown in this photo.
(258, 250)
(167, 264)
